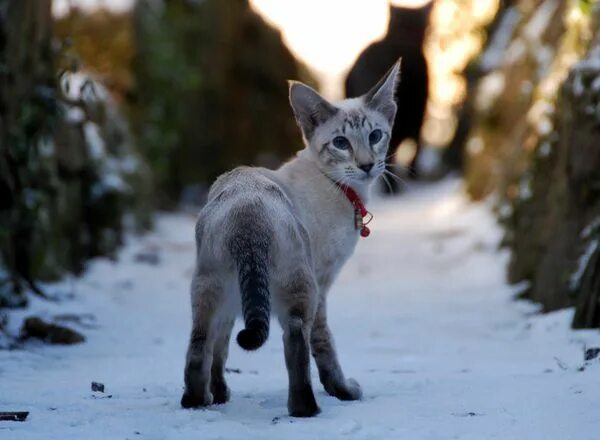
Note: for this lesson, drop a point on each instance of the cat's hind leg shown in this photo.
(299, 302)
(207, 297)
(323, 350)
(218, 385)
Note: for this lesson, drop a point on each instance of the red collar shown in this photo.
(360, 212)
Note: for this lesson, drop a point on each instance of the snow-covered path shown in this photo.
(421, 315)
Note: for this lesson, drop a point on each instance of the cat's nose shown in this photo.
(366, 167)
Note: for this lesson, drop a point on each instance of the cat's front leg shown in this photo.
(330, 371)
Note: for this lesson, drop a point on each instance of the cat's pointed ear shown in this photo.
(310, 108)
(381, 97)
(427, 8)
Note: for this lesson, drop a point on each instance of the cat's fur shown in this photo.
(404, 39)
(277, 239)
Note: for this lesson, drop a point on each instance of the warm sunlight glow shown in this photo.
(455, 38)
(409, 3)
(453, 42)
(326, 35)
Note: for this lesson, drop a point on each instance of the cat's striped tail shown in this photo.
(251, 252)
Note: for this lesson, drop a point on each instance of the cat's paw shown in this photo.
(304, 410)
(348, 390)
(191, 400)
(303, 404)
(220, 392)
(353, 389)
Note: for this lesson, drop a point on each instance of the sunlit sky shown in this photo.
(329, 34)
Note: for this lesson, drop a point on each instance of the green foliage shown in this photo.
(211, 91)
(166, 76)
(585, 6)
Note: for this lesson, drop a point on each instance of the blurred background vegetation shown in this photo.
(108, 113)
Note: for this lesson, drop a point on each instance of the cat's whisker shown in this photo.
(389, 156)
(407, 170)
(395, 177)
(387, 183)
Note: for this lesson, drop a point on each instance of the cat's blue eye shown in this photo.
(341, 142)
(375, 136)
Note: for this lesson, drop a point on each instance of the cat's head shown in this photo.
(348, 139)
(410, 24)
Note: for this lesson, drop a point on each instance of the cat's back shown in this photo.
(243, 180)
(246, 200)
(246, 189)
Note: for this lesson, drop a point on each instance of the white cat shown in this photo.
(277, 239)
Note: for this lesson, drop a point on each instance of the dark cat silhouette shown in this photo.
(404, 38)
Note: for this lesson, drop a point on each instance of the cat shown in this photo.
(404, 39)
(277, 239)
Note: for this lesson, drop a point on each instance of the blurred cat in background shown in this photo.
(404, 39)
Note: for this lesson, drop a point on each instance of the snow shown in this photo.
(111, 177)
(545, 149)
(75, 115)
(587, 231)
(95, 143)
(81, 85)
(475, 145)
(422, 317)
(536, 27)
(583, 264)
(590, 68)
(591, 63)
(516, 51)
(109, 183)
(60, 8)
(505, 210)
(525, 192)
(491, 87)
(540, 116)
(544, 126)
(596, 85)
(493, 55)
(46, 147)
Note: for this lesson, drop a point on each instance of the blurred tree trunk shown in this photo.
(67, 172)
(26, 113)
(536, 143)
(560, 220)
(500, 142)
(454, 154)
(581, 128)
